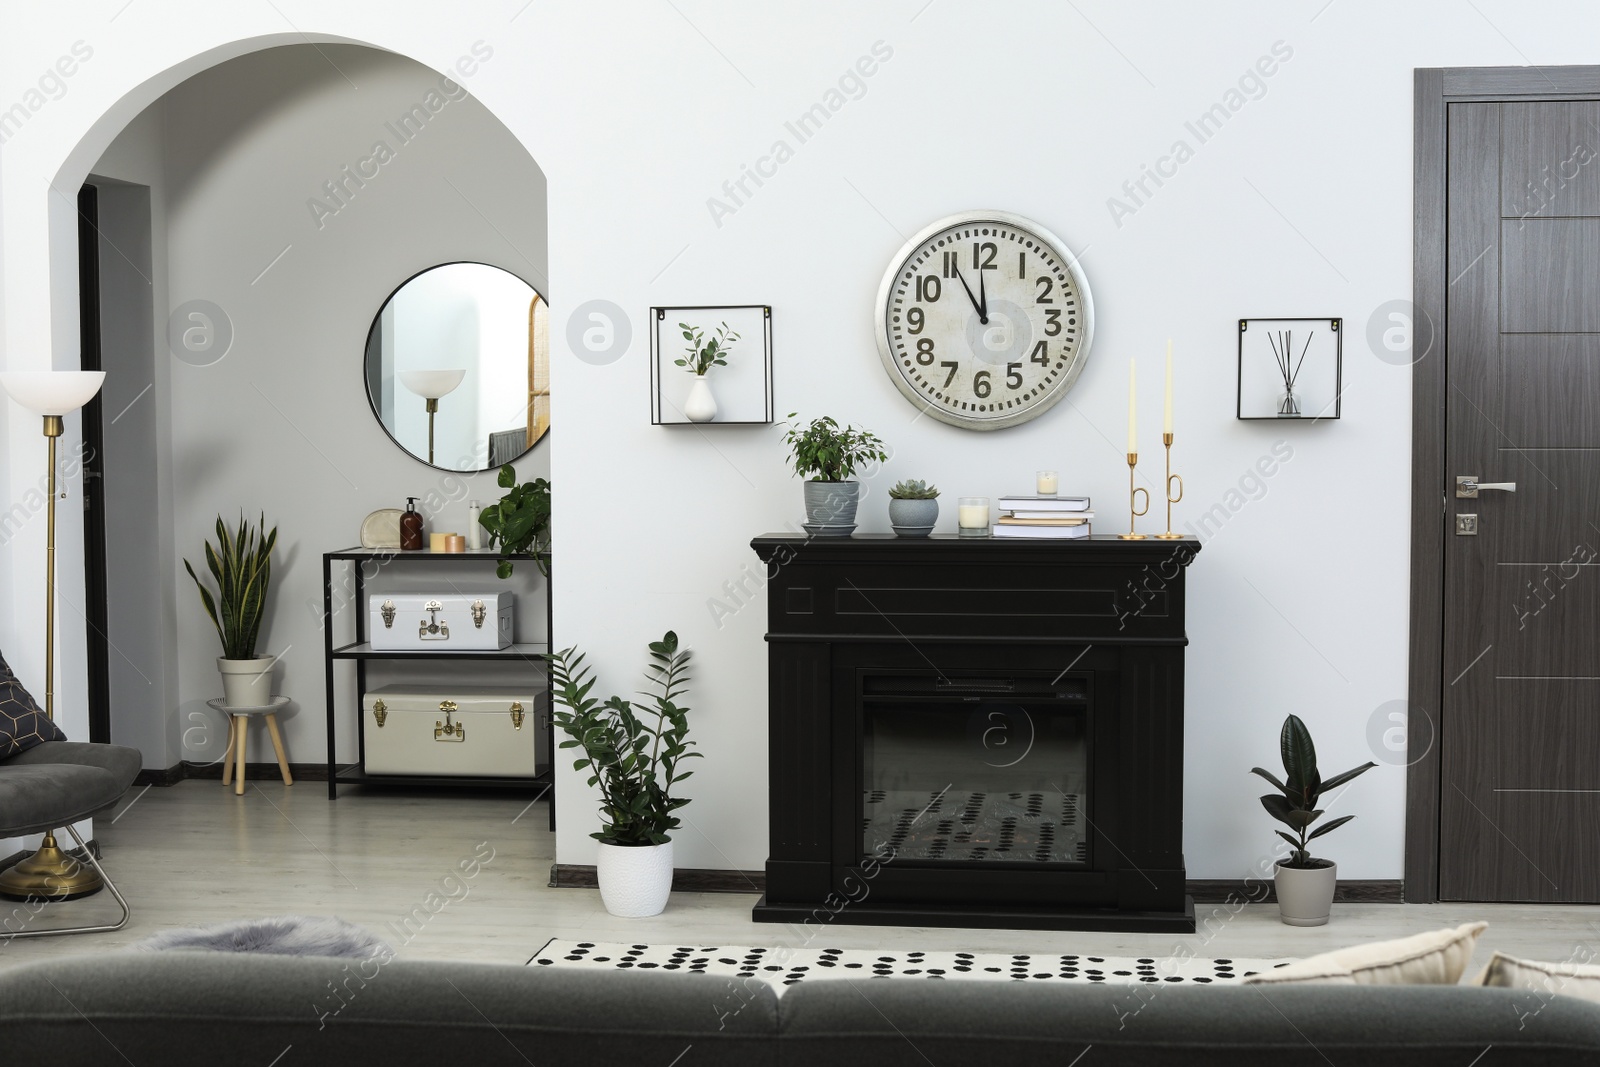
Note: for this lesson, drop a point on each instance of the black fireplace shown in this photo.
(976, 733)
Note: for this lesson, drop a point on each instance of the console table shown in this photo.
(534, 655)
(976, 732)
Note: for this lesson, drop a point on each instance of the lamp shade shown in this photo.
(52, 392)
(431, 384)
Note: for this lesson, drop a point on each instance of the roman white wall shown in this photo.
(646, 122)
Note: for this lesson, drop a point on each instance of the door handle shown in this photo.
(1468, 486)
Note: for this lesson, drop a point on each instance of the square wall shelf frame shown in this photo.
(1307, 351)
(743, 389)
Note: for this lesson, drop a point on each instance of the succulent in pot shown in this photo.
(1305, 884)
(241, 565)
(830, 454)
(913, 508)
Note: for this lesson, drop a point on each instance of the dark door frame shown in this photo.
(1436, 89)
(94, 527)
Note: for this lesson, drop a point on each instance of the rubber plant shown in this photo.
(1295, 803)
(631, 749)
(241, 565)
(520, 521)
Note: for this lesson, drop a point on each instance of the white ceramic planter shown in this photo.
(1306, 897)
(635, 881)
(701, 406)
(247, 683)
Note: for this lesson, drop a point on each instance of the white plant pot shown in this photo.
(635, 881)
(701, 405)
(247, 683)
(1306, 897)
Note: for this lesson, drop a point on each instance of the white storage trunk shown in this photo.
(444, 622)
(474, 730)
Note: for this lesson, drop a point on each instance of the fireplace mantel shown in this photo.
(877, 642)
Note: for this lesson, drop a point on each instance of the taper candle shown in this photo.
(1133, 445)
(1166, 425)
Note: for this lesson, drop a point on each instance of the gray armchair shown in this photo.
(54, 784)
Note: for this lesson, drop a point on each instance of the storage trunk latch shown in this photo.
(432, 629)
(380, 712)
(517, 715)
(387, 611)
(447, 730)
(479, 613)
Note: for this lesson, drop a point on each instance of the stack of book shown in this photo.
(1061, 517)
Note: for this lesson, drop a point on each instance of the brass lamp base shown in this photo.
(50, 874)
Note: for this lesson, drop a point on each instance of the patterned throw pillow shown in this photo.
(23, 723)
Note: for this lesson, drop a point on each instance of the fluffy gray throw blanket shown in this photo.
(281, 935)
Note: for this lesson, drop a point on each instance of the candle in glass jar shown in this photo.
(1133, 442)
(973, 513)
(1045, 483)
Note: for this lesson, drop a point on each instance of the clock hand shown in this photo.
(981, 316)
(983, 301)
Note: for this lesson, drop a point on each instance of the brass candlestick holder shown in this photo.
(1166, 440)
(1134, 510)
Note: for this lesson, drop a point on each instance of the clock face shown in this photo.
(984, 320)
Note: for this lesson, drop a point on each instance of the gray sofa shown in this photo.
(176, 1008)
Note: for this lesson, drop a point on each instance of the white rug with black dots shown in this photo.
(783, 966)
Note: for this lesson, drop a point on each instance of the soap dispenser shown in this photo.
(411, 526)
(474, 527)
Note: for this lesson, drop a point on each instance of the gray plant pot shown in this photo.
(1306, 897)
(831, 507)
(913, 518)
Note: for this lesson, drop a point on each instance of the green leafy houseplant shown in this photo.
(520, 521)
(828, 452)
(913, 489)
(701, 355)
(631, 749)
(1295, 803)
(241, 565)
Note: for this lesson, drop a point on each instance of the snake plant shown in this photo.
(241, 565)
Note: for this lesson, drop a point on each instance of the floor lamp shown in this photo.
(51, 874)
(431, 385)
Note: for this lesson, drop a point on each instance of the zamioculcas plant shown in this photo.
(241, 564)
(631, 749)
(1295, 803)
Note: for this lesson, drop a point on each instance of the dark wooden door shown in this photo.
(1520, 733)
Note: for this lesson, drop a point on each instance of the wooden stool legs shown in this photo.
(277, 746)
(233, 762)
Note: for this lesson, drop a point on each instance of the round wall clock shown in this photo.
(984, 320)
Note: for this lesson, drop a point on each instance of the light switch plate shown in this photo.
(1466, 526)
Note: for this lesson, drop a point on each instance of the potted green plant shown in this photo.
(830, 454)
(699, 357)
(241, 565)
(631, 750)
(913, 508)
(1305, 884)
(520, 521)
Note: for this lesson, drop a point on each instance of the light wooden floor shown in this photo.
(194, 854)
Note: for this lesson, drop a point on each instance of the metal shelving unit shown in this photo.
(361, 652)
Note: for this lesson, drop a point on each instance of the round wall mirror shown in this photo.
(458, 367)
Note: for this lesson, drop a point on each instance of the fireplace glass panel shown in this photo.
(989, 781)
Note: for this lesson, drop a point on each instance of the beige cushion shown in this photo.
(1568, 979)
(1434, 958)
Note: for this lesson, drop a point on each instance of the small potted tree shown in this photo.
(631, 751)
(241, 564)
(913, 508)
(830, 454)
(699, 356)
(1305, 884)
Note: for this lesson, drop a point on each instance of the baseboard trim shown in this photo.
(684, 879)
(1204, 890)
(254, 772)
(1261, 891)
